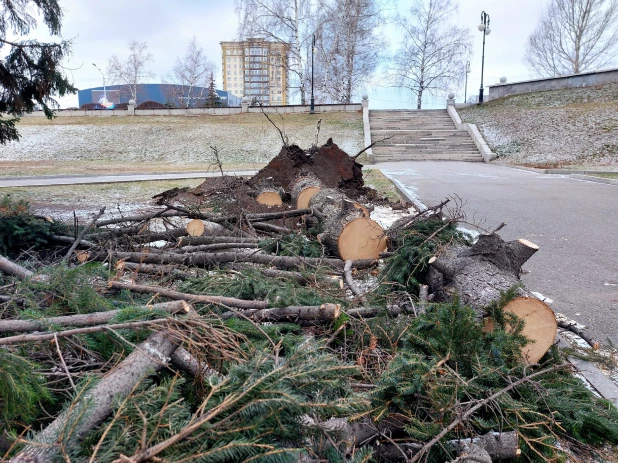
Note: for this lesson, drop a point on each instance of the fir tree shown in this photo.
(30, 71)
(212, 99)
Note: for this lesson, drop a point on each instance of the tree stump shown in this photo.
(303, 187)
(348, 232)
(479, 273)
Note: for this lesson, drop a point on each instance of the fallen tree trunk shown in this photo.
(479, 273)
(195, 241)
(269, 196)
(348, 232)
(94, 405)
(322, 313)
(170, 294)
(139, 218)
(215, 247)
(89, 319)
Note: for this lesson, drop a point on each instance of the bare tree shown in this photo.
(134, 72)
(190, 77)
(432, 54)
(349, 49)
(574, 36)
(284, 21)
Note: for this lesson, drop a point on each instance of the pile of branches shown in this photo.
(206, 331)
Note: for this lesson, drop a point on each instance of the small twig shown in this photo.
(284, 137)
(581, 333)
(371, 146)
(64, 365)
(498, 228)
(347, 273)
(81, 235)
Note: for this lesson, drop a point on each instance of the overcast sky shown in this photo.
(103, 28)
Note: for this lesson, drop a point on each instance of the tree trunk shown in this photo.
(93, 406)
(303, 187)
(348, 233)
(479, 273)
(269, 196)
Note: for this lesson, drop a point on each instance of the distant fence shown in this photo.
(290, 109)
(586, 79)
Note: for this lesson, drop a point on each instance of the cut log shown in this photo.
(479, 273)
(347, 232)
(293, 314)
(540, 326)
(88, 319)
(96, 404)
(16, 270)
(269, 196)
(195, 227)
(304, 187)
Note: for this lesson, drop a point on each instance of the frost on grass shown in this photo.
(181, 140)
(571, 127)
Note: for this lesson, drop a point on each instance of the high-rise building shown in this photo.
(256, 68)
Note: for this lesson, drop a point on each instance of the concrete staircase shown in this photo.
(422, 135)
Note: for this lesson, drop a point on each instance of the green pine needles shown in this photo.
(447, 363)
(252, 414)
(408, 265)
(294, 245)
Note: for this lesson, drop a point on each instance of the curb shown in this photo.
(587, 175)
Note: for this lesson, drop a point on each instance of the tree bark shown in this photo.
(13, 269)
(292, 314)
(170, 294)
(348, 233)
(479, 273)
(95, 404)
(303, 187)
(203, 259)
(90, 319)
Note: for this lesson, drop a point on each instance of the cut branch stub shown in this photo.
(540, 326)
(303, 188)
(348, 233)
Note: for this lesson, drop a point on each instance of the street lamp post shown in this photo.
(312, 98)
(466, 89)
(484, 28)
(102, 75)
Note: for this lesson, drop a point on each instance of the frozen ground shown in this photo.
(180, 141)
(561, 128)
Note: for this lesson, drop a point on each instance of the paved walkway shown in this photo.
(48, 180)
(575, 223)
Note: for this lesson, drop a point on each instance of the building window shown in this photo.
(227, 52)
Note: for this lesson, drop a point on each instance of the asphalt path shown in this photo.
(574, 222)
(49, 180)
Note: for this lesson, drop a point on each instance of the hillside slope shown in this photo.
(560, 128)
(153, 143)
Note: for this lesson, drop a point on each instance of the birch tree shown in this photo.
(190, 77)
(348, 45)
(134, 72)
(284, 21)
(432, 54)
(574, 36)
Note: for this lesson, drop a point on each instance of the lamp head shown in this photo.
(481, 27)
(487, 31)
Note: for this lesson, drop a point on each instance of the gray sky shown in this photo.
(103, 28)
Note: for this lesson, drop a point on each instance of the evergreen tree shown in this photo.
(212, 99)
(30, 71)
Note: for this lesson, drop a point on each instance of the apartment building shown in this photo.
(256, 68)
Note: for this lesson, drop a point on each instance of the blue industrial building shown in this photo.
(161, 93)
